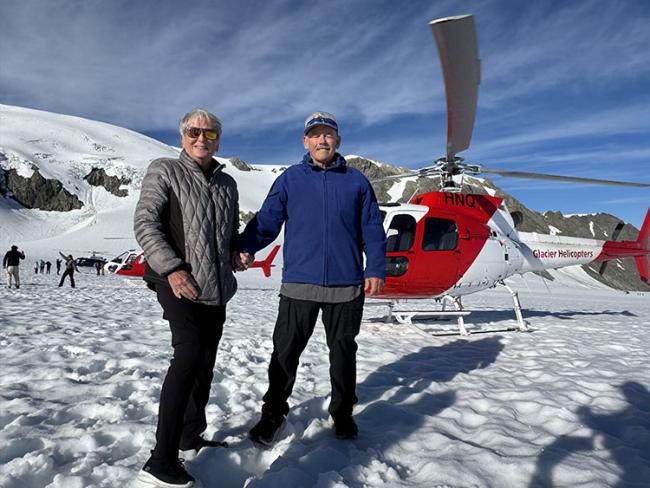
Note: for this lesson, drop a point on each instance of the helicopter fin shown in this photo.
(643, 262)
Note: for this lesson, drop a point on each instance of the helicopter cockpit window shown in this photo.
(401, 240)
(439, 235)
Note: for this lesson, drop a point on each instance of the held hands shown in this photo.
(373, 285)
(183, 285)
(241, 261)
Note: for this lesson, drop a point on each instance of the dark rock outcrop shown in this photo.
(98, 177)
(376, 172)
(38, 192)
(241, 165)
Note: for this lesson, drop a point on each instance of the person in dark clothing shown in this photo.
(187, 223)
(330, 216)
(11, 263)
(58, 266)
(48, 266)
(70, 268)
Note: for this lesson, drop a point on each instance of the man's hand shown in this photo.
(241, 261)
(373, 285)
(183, 285)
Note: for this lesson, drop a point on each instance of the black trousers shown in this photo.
(196, 331)
(69, 273)
(294, 326)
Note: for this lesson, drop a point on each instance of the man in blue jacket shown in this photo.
(331, 217)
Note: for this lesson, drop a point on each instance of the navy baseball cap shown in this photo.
(321, 118)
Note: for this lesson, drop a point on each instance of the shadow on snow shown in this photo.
(395, 401)
(625, 434)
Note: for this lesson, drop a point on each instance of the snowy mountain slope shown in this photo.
(66, 149)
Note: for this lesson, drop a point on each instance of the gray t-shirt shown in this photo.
(324, 294)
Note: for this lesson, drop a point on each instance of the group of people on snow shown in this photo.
(187, 223)
(11, 265)
(43, 266)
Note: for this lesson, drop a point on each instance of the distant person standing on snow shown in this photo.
(10, 263)
(36, 267)
(58, 266)
(70, 268)
(41, 266)
(187, 223)
(48, 266)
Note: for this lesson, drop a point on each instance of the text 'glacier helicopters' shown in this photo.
(447, 244)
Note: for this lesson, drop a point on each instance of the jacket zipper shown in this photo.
(213, 237)
(325, 226)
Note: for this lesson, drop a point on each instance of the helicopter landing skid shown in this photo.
(406, 317)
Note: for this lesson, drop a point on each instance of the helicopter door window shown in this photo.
(439, 235)
(403, 235)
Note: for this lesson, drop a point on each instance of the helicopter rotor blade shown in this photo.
(568, 179)
(461, 69)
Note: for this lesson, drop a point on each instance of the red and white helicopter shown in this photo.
(131, 263)
(448, 244)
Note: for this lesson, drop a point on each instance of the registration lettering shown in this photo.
(460, 199)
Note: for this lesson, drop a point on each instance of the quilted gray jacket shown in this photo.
(185, 221)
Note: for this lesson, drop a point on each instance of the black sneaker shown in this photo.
(161, 475)
(199, 443)
(345, 427)
(267, 429)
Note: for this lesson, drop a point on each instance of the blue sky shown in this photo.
(565, 84)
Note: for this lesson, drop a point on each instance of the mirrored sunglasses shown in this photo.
(195, 132)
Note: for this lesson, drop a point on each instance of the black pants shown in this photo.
(294, 327)
(196, 331)
(70, 273)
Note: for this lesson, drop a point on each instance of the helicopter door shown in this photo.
(439, 257)
(400, 249)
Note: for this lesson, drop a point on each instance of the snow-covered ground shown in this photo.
(566, 405)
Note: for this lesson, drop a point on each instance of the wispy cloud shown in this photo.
(136, 63)
(142, 63)
(642, 199)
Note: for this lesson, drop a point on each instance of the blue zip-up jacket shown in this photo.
(331, 216)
